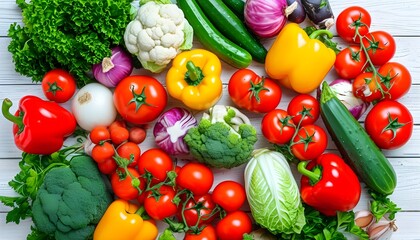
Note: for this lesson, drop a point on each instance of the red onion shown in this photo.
(265, 18)
(170, 129)
(113, 69)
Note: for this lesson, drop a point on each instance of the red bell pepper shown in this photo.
(40, 127)
(329, 185)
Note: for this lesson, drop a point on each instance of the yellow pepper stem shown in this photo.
(194, 74)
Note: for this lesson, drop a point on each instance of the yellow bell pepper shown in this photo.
(299, 61)
(122, 221)
(194, 79)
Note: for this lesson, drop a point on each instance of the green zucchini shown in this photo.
(355, 145)
(237, 6)
(232, 27)
(211, 38)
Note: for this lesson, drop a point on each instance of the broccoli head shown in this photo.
(224, 138)
(71, 200)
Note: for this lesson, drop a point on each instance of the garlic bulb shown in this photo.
(382, 230)
(364, 219)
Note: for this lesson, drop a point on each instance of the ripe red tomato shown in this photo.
(160, 204)
(396, 80)
(123, 186)
(234, 226)
(156, 162)
(389, 124)
(98, 134)
(198, 205)
(140, 99)
(58, 85)
(229, 195)
(252, 92)
(310, 142)
(196, 177)
(365, 87)
(350, 62)
(306, 106)
(208, 233)
(350, 19)
(131, 152)
(109, 166)
(102, 152)
(278, 127)
(381, 47)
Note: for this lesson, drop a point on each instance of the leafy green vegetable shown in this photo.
(273, 194)
(381, 205)
(72, 35)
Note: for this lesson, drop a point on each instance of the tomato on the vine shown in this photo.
(124, 184)
(396, 80)
(367, 87)
(99, 134)
(277, 126)
(196, 177)
(58, 85)
(351, 18)
(160, 203)
(102, 152)
(140, 99)
(350, 62)
(130, 152)
(198, 210)
(207, 233)
(108, 166)
(229, 195)
(389, 124)
(310, 142)
(253, 92)
(156, 162)
(306, 106)
(380, 46)
(233, 226)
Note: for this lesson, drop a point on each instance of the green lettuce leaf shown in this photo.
(188, 36)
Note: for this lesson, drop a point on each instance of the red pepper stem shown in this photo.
(321, 32)
(314, 176)
(5, 110)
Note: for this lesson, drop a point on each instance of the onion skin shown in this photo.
(295, 11)
(170, 129)
(265, 18)
(113, 69)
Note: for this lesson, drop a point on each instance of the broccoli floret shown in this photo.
(224, 138)
(71, 200)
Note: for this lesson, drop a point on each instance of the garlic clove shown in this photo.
(382, 230)
(364, 219)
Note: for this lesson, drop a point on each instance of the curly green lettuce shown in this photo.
(72, 35)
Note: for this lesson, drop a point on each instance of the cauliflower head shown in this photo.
(158, 33)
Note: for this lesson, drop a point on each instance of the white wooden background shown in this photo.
(400, 18)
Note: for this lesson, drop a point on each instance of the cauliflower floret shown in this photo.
(157, 34)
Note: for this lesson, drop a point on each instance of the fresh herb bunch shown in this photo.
(72, 35)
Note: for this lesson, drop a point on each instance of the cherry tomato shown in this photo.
(129, 151)
(196, 177)
(98, 134)
(140, 99)
(160, 204)
(234, 226)
(396, 80)
(58, 85)
(208, 233)
(252, 92)
(389, 124)
(108, 166)
(102, 152)
(365, 87)
(137, 135)
(119, 135)
(277, 126)
(229, 195)
(125, 187)
(303, 105)
(350, 19)
(198, 205)
(381, 47)
(350, 62)
(310, 142)
(156, 162)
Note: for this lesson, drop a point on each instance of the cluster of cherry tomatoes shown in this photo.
(178, 195)
(375, 78)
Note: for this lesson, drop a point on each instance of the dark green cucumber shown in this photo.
(232, 27)
(355, 145)
(211, 38)
(237, 6)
